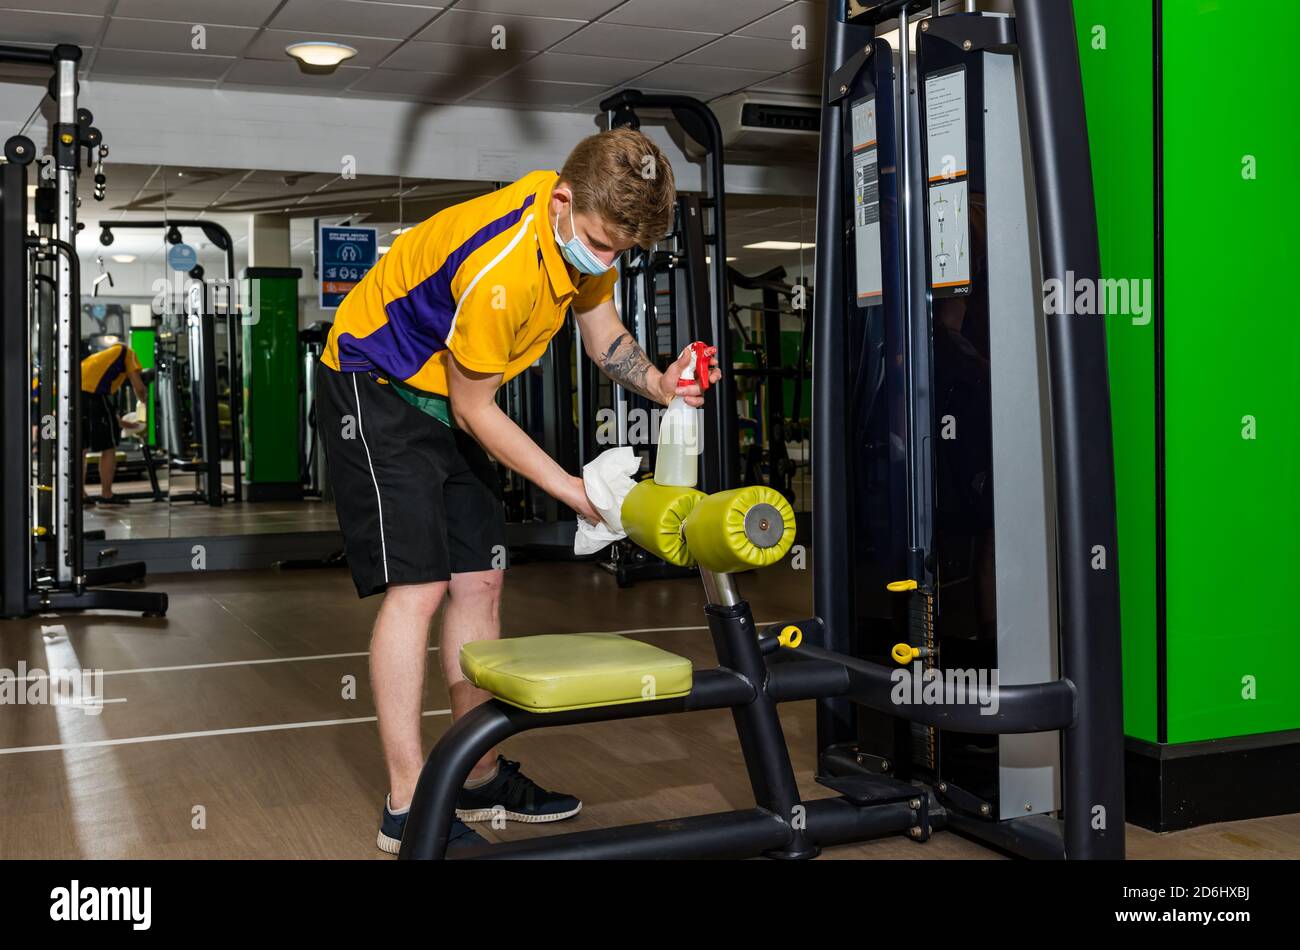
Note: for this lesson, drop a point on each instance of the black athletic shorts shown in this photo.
(417, 500)
(98, 423)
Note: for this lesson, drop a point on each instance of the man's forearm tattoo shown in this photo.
(627, 364)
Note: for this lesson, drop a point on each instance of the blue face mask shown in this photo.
(576, 252)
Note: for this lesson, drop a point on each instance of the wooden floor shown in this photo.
(142, 517)
(227, 731)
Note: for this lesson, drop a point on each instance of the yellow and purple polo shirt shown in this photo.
(103, 373)
(483, 281)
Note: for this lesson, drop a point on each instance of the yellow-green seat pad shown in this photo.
(556, 672)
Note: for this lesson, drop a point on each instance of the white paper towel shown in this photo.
(608, 479)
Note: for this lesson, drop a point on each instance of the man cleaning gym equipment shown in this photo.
(407, 386)
(102, 375)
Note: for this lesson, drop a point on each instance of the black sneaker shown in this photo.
(515, 797)
(392, 826)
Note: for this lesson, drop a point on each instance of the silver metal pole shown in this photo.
(67, 308)
(907, 193)
(720, 589)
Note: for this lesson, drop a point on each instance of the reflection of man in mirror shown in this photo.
(102, 375)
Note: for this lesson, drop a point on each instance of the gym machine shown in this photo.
(311, 450)
(1034, 765)
(41, 532)
(701, 244)
(962, 441)
(664, 309)
(766, 460)
(687, 270)
(195, 370)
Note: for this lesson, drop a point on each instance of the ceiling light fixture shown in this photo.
(124, 258)
(318, 56)
(779, 246)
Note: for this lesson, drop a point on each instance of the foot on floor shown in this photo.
(515, 797)
(392, 826)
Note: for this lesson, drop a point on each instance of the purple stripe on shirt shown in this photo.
(418, 322)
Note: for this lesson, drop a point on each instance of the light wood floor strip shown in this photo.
(202, 734)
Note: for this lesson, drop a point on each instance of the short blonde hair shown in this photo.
(622, 176)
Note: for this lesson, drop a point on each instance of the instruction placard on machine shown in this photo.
(866, 204)
(949, 237)
(946, 169)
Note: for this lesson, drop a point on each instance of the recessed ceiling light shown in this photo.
(401, 230)
(124, 258)
(779, 246)
(320, 54)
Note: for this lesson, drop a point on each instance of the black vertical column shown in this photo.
(15, 387)
(719, 439)
(1093, 766)
(832, 527)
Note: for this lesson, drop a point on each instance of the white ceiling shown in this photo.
(441, 52)
(153, 192)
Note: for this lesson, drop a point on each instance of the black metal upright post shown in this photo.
(559, 434)
(15, 383)
(713, 460)
(832, 527)
(1088, 597)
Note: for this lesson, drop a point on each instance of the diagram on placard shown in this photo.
(949, 233)
(866, 203)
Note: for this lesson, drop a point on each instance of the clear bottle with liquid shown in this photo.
(680, 443)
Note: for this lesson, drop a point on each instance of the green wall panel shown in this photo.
(1232, 349)
(1115, 53)
(142, 344)
(271, 374)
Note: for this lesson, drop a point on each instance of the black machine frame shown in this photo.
(773, 429)
(43, 542)
(754, 673)
(687, 298)
(699, 307)
(204, 313)
(706, 285)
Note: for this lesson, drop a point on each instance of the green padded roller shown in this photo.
(652, 517)
(740, 529)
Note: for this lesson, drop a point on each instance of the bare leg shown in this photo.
(473, 613)
(398, 646)
(107, 466)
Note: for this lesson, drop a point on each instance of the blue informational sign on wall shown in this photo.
(182, 257)
(344, 255)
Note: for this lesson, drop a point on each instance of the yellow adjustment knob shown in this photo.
(900, 587)
(39, 531)
(66, 138)
(790, 637)
(904, 653)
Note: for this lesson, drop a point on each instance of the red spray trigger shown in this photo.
(701, 367)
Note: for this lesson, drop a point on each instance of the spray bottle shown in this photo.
(676, 462)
